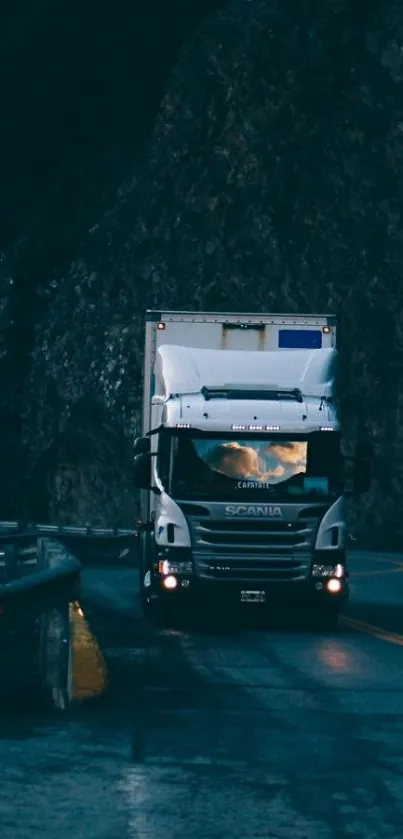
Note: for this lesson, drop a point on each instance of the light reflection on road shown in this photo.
(337, 657)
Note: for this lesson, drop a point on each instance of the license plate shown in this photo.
(253, 596)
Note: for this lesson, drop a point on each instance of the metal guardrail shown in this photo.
(9, 528)
(31, 580)
(92, 545)
(38, 582)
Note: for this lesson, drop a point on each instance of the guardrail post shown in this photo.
(40, 551)
(35, 595)
(56, 623)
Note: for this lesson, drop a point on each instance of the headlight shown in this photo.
(169, 566)
(328, 570)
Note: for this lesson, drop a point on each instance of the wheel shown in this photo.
(152, 606)
(145, 592)
(165, 614)
(145, 574)
(161, 614)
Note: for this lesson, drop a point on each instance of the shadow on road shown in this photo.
(241, 620)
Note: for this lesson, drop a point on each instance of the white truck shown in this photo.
(240, 464)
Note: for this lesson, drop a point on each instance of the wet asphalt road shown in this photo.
(211, 733)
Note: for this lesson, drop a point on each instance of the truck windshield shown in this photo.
(218, 467)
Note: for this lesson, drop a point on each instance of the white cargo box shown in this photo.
(230, 331)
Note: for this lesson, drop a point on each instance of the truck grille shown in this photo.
(248, 568)
(253, 549)
(256, 536)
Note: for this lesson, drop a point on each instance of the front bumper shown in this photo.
(311, 592)
(188, 584)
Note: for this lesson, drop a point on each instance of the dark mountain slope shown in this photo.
(80, 86)
(273, 181)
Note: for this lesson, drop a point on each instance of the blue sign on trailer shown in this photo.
(300, 339)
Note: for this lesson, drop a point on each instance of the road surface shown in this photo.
(212, 734)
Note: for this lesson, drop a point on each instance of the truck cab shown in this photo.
(240, 465)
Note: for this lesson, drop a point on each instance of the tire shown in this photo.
(165, 614)
(145, 598)
(145, 572)
(145, 590)
(152, 606)
(161, 614)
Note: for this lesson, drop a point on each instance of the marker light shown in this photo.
(326, 330)
(160, 325)
(334, 586)
(167, 567)
(328, 570)
(253, 427)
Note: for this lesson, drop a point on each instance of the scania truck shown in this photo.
(240, 464)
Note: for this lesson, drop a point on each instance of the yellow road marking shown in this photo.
(376, 573)
(90, 673)
(376, 631)
(386, 560)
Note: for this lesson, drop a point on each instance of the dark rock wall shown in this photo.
(272, 181)
(80, 87)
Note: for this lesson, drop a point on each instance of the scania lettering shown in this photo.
(241, 464)
(252, 510)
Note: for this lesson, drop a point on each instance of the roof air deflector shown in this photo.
(269, 393)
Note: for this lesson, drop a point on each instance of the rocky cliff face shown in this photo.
(80, 87)
(272, 181)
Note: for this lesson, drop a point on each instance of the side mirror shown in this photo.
(141, 445)
(142, 471)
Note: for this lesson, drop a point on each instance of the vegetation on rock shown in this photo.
(272, 182)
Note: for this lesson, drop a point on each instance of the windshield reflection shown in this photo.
(215, 466)
(260, 462)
